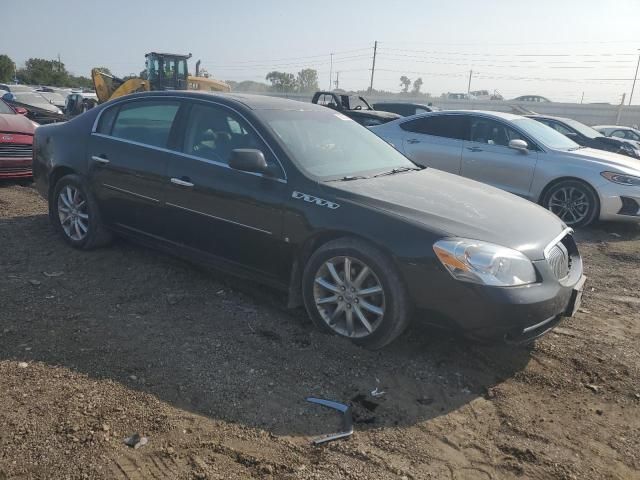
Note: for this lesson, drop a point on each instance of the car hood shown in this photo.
(10, 123)
(455, 206)
(605, 159)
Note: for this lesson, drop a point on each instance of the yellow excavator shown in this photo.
(164, 71)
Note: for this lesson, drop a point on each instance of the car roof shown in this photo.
(502, 115)
(551, 117)
(617, 127)
(253, 102)
(403, 103)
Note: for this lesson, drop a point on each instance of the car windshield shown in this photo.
(4, 109)
(357, 103)
(31, 98)
(545, 134)
(331, 146)
(582, 128)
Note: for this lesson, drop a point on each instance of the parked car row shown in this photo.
(303, 198)
(16, 138)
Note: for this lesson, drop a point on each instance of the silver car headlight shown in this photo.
(622, 179)
(484, 263)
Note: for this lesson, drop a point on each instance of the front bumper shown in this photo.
(619, 202)
(511, 314)
(15, 168)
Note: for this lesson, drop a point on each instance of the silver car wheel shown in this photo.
(73, 213)
(349, 297)
(570, 204)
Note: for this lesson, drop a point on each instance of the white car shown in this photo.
(524, 157)
(617, 131)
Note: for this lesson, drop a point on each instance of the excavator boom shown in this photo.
(109, 87)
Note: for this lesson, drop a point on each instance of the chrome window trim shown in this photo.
(122, 190)
(186, 155)
(554, 242)
(219, 218)
(201, 100)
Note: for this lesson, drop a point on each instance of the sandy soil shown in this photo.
(96, 346)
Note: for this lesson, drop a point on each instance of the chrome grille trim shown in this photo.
(558, 257)
(15, 150)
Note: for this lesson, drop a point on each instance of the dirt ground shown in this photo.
(96, 346)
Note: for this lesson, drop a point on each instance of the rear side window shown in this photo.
(447, 126)
(146, 122)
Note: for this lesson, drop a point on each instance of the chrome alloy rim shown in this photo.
(72, 212)
(349, 297)
(570, 204)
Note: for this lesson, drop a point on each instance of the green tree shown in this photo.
(405, 83)
(416, 85)
(308, 80)
(7, 68)
(38, 71)
(281, 81)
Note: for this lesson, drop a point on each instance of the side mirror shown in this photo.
(519, 145)
(21, 110)
(249, 160)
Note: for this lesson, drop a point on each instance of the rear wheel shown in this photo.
(575, 202)
(74, 213)
(353, 290)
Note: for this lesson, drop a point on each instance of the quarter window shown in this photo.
(146, 122)
(448, 126)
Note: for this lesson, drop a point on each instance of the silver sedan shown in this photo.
(523, 157)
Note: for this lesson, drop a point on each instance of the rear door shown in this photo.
(487, 158)
(128, 156)
(233, 215)
(436, 140)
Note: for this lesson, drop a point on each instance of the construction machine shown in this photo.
(164, 71)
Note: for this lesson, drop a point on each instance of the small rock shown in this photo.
(599, 411)
(268, 469)
(174, 298)
(617, 235)
(133, 377)
(136, 441)
(53, 274)
(425, 401)
(171, 451)
(637, 395)
(584, 310)
(23, 365)
(593, 388)
(35, 282)
(105, 427)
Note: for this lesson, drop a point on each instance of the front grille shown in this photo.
(559, 261)
(24, 169)
(15, 150)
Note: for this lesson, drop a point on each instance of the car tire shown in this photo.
(573, 201)
(75, 214)
(373, 293)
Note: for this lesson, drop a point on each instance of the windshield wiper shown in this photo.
(348, 178)
(396, 170)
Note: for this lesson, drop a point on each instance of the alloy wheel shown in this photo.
(349, 297)
(73, 213)
(571, 204)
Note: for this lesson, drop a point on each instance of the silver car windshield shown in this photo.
(545, 135)
(329, 145)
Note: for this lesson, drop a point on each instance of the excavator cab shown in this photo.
(167, 71)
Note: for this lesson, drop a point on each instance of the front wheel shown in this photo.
(74, 213)
(353, 290)
(575, 202)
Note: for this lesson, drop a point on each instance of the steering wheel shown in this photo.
(358, 107)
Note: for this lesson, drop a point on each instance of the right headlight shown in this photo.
(484, 263)
(621, 178)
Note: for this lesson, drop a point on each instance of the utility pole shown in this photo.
(634, 81)
(373, 67)
(469, 86)
(620, 109)
(59, 64)
(331, 72)
(582, 99)
(337, 82)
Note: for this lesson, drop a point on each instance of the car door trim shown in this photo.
(219, 218)
(137, 195)
(193, 100)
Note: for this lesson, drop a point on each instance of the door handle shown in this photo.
(413, 140)
(102, 159)
(474, 149)
(181, 182)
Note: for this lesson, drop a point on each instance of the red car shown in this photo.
(16, 139)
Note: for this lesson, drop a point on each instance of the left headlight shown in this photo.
(621, 178)
(484, 263)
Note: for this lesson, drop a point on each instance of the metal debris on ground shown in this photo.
(377, 393)
(347, 420)
(136, 441)
(53, 274)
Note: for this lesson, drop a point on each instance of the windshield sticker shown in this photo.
(321, 202)
(343, 117)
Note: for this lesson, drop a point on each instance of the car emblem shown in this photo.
(7, 138)
(321, 202)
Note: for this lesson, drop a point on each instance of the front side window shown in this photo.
(146, 122)
(492, 132)
(213, 133)
(542, 133)
(448, 126)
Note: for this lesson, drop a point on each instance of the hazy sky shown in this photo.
(555, 48)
